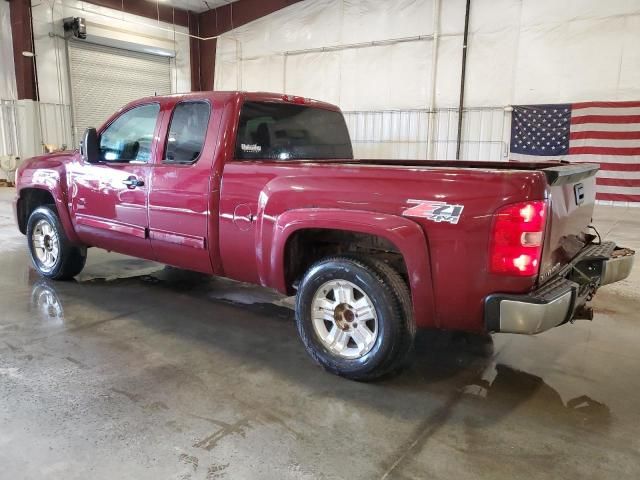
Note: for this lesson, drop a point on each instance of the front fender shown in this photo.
(406, 235)
(49, 176)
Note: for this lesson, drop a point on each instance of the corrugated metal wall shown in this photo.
(390, 134)
(404, 134)
(51, 125)
(9, 144)
(104, 79)
(55, 121)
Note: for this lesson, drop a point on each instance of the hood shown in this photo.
(48, 160)
(44, 163)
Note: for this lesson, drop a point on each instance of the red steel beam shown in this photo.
(22, 36)
(194, 51)
(144, 8)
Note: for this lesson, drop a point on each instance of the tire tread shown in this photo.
(73, 257)
(404, 333)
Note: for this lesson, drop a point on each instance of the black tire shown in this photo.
(70, 259)
(391, 301)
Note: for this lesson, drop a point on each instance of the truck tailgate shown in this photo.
(572, 197)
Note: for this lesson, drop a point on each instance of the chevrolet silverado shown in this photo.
(263, 188)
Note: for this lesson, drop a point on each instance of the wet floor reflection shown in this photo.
(485, 381)
(46, 304)
(458, 364)
(510, 389)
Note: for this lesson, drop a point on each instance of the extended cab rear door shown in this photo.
(183, 192)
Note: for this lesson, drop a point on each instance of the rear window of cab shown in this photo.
(282, 131)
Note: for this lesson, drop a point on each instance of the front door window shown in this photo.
(130, 137)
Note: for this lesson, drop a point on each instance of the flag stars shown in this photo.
(541, 130)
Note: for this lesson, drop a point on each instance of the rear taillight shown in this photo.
(516, 242)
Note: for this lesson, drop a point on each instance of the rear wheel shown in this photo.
(354, 317)
(52, 254)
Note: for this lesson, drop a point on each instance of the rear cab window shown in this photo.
(282, 131)
(187, 132)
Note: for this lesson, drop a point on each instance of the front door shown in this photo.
(109, 199)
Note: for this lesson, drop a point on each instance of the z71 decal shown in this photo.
(435, 211)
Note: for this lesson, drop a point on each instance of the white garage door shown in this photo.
(103, 79)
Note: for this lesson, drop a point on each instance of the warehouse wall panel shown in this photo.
(629, 80)
(520, 51)
(575, 61)
(326, 67)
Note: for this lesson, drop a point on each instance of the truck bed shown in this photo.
(556, 171)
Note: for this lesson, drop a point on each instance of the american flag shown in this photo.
(607, 133)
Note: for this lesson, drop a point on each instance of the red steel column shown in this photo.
(22, 36)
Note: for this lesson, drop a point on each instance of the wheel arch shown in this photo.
(395, 235)
(28, 200)
(33, 197)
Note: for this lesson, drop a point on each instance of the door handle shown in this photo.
(132, 182)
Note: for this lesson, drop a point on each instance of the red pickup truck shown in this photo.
(263, 188)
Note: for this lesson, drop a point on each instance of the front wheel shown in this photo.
(354, 317)
(52, 254)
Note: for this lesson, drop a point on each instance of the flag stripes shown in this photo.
(607, 133)
(588, 134)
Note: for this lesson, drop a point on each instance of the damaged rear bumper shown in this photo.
(563, 298)
(618, 266)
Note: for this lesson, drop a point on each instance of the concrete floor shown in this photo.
(140, 372)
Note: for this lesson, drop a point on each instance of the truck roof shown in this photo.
(240, 95)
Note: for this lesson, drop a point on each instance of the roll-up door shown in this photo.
(103, 79)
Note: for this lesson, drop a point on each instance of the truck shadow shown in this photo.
(448, 368)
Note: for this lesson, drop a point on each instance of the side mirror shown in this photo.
(89, 147)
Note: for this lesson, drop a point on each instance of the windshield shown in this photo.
(281, 131)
